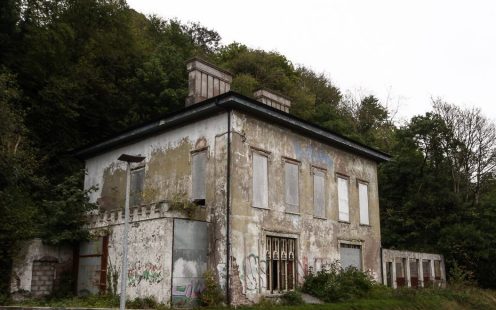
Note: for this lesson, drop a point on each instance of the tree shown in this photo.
(17, 177)
(471, 149)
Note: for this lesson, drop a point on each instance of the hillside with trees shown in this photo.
(72, 72)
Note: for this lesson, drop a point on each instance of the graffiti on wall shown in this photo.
(221, 271)
(148, 272)
(255, 269)
(187, 294)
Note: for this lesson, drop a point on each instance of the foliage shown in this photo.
(142, 303)
(292, 298)
(66, 210)
(336, 284)
(91, 301)
(431, 197)
(72, 72)
(179, 202)
(378, 298)
(212, 294)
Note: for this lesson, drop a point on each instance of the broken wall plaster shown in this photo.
(168, 160)
(317, 238)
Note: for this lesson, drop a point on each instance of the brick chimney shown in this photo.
(206, 81)
(273, 99)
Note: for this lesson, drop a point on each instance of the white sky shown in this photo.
(411, 50)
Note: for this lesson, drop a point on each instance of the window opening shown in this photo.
(136, 186)
(351, 255)
(280, 260)
(198, 180)
(344, 208)
(363, 197)
(319, 194)
(291, 176)
(260, 186)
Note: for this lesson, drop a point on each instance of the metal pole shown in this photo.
(124, 241)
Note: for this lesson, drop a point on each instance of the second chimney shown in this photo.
(273, 99)
(206, 81)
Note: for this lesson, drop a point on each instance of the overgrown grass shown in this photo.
(382, 298)
(378, 297)
(91, 301)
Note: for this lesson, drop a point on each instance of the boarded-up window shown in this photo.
(260, 181)
(189, 262)
(136, 188)
(198, 171)
(344, 208)
(319, 194)
(291, 186)
(363, 197)
(351, 256)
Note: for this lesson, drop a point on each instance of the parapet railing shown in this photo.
(102, 218)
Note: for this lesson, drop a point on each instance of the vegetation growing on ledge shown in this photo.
(179, 202)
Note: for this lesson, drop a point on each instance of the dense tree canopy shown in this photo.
(75, 71)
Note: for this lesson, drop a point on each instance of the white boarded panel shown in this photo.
(319, 194)
(291, 186)
(260, 183)
(189, 257)
(363, 196)
(344, 208)
(198, 170)
(351, 256)
(136, 183)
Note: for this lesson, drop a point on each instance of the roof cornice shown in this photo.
(235, 101)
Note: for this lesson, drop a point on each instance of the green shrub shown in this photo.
(265, 303)
(211, 295)
(142, 303)
(336, 284)
(292, 298)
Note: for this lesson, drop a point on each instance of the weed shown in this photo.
(335, 284)
(211, 295)
(292, 298)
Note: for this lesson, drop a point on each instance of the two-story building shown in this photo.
(232, 185)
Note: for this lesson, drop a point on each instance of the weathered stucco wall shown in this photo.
(167, 164)
(167, 173)
(317, 238)
(59, 259)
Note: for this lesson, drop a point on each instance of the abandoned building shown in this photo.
(237, 186)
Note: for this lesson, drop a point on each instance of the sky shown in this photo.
(403, 52)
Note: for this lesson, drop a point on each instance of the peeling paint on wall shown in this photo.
(149, 273)
(162, 269)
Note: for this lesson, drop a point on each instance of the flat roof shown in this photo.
(230, 101)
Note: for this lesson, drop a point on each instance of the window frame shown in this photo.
(254, 151)
(198, 200)
(341, 176)
(291, 161)
(323, 171)
(134, 170)
(352, 243)
(363, 183)
(269, 291)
